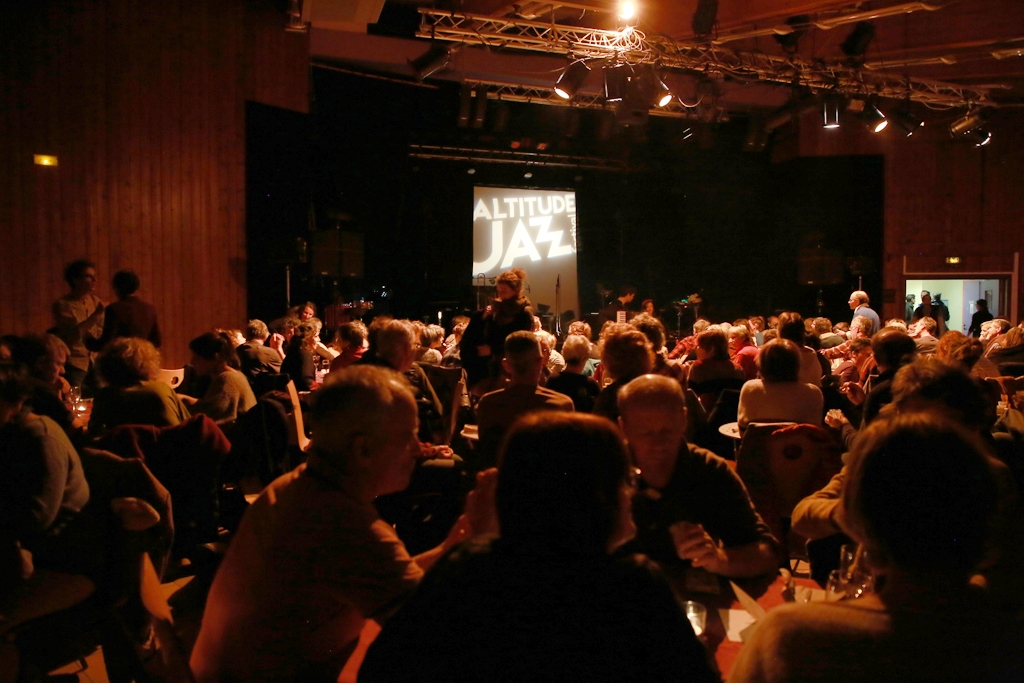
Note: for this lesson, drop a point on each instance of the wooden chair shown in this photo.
(781, 464)
(172, 378)
(299, 434)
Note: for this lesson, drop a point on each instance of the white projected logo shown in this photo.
(521, 244)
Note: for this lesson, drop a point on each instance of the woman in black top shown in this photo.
(298, 361)
(549, 600)
(484, 338)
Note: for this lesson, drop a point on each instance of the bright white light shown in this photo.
(881, 126)
(627, 10)
(665, 99)
(562, 93)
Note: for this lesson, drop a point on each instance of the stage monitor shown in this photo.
(530, 229)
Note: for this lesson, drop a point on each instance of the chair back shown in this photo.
(172, 378)
(299, 435)
(781, 464)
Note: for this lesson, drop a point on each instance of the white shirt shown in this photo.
(762, 401)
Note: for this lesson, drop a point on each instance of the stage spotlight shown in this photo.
(616, 82)
(979, 136)
(480, 107)
(430, 62)
(627, 10)
(653, 88)
(527, 175)
(465, 105)
(571, 79)
(831, 112)
(906, 122)
(967, 123)
(471, 171)
(873, 119)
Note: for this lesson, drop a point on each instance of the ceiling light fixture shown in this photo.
(906, 122)
(653, 88)
(571, 79)
(979, 137)
(430, 62)
(831, 112)
(966, 124)
(627, 10)
(616, 81)
(873, 118)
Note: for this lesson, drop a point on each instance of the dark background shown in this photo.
(694, 212)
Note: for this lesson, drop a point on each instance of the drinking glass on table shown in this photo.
(854, 572)
(835, 588)
(75, 396)
(697, 614)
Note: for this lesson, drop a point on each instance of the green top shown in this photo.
(149, 403)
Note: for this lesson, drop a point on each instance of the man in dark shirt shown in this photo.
(981, 315)
(626, 295)
(256, 357)
(690, 504)
(129, 316)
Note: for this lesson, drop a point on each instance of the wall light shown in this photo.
(44, 160)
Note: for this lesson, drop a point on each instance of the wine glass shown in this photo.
(75, 395)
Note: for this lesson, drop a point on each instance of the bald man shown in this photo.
(311, 560)
(859, 305)
(690, 505)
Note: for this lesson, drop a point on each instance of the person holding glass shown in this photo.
(548, 600)
(919, 496)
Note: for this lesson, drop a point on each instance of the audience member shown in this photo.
(1009, 348)
(756, 325)
(547, 600)
(44, 358)
(78, 316)
(129, 316)
(229, 394)
(859, 304)
(922, 331)
(626, 355)
(860, 364)
(779, 396)
(897, 323)
(452, 357)
(554, 362)
(299, 362)
(713, 370)
(311, 560)
(742, 352)
(431, 340)
(571, 381)
(350, 340)
(791, 327)
(687, 346)
(937, 311)
(130, 393)
(497, 410)
(823, 328)
(981, 315)
(993, 330)
(324, 351)
(919, 498)
(254, 355)
(691, 506)
(56, 564)
(453, 338)
(653, 329)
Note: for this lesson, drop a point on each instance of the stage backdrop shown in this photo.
(530, 229)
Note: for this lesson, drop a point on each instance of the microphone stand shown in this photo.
(558, 306)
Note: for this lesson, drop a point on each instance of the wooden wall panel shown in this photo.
(942, 197)
(144, 104)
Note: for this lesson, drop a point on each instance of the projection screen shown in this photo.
(530, 229)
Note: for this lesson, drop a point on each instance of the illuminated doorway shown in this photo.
(959, 297)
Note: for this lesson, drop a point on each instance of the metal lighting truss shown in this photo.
(513, 92)
(526, 158)
(631, 46)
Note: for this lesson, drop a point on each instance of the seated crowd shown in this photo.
(597, 490)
